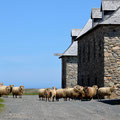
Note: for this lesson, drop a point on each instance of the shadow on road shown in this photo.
(111, 102)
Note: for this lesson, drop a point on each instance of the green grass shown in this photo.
(31, 92)
(1, 100)
(1, 105)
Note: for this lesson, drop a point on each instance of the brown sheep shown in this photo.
(69, 92)
(80, 90)
(18, 91)
(1, 84)
(105, 91)
(41, 94)
(4, 90)
(53, 93)
(90, 92)
(60, 93)
(47, 94)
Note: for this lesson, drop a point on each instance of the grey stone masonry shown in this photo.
(69, 71)
(112, 56)
(99, 57)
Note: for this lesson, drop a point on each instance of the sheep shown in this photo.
(48, 94)
(80, 91)
(1, 84)
(105, 91)
(4, 90)
(41, 93)
(10, 88)
(90, 92)
(68, 93)
(53, 93)
(60, 93)
(18, 91)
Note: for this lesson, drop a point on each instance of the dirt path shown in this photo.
(30, 108)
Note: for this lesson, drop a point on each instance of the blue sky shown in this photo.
(31, 31)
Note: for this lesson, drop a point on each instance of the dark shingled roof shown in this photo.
(96, 13)
(72, 50)
(110, 5)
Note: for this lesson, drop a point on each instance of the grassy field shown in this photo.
(31, 92)
(1, 105)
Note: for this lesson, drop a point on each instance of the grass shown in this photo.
(1, 100)
(31, 92)
(1, 105)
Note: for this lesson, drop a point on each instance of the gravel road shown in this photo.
(30, 108)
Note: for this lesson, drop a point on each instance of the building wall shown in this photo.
(112, 56)
(99, 57)
(91, 59)
(69, 71)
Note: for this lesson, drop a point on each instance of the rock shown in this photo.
(116, 48)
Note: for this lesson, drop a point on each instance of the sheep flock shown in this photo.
(53, 94)
(75, 93)
(7, 90)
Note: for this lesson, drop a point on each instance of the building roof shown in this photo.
(96, 13)
(110, 5)
(87, 27)
(75, 32)
(113, 19)
(72, 50)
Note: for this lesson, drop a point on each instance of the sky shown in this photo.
(31, 31)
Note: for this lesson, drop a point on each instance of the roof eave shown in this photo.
(67, 56)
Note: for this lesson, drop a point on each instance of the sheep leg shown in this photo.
(20, 96)
(46, 99)
(109, 97)
(13, 95)
(39, 97)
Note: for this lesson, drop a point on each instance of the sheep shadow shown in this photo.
(111, 102)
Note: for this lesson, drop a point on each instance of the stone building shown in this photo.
(99, 47)
(94, 55)
(70, 62)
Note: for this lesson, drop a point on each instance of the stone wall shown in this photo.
(99, 57)
(69, 71)
(112, 56)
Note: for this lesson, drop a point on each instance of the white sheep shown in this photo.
(105, 91)
(4, 90)
(53, 93)
(41, 94)
(18, 91)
